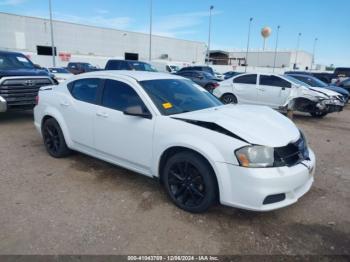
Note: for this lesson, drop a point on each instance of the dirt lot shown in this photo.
(80, 205)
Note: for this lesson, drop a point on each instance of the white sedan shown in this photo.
(166, 127)
(281, 92)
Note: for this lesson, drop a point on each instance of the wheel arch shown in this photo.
(229, 93)
(302, 104)
(53, 113)
(171, 151)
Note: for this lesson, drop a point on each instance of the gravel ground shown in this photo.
(80, 205)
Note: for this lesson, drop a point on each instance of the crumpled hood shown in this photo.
(325, 91)
(258, 125)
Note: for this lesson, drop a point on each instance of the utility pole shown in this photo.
(52, 40)
(209, 34)
(275, 57)
(246, 56)
(297, 51)
(150, 30)
(313, 53)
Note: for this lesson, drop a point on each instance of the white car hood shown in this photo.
(258, 125)
(328, 92)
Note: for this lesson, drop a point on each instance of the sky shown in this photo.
(189, 19)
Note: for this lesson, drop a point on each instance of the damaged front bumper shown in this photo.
(330, 105)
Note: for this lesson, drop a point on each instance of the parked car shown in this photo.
(163, 126)
(20, 81)
(279, 92)
(115, 64)
(315, 82)
(323, 76)
(230, 74)
(78, 68)
(165, 66)
(341, 73)
(207, 69)
(345, 84)
(61, 74)
(204, 79)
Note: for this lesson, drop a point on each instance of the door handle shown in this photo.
(102, 114)
(64, 103)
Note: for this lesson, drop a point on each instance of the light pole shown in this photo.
(209, 33)
(274, 59)
(246, 55)
(52, 40)
(150, 30)
(297, 51)
(313, 53)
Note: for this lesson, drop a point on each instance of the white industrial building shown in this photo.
(285, 59)
(83, 43)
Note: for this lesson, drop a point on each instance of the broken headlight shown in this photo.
(255, 156)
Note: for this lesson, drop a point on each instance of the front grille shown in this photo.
(292, 154)
(19, 91)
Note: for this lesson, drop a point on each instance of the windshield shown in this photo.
(176, 96)
(207, 75)
(313, 81)
(59, 70)
(143, 67)
(174, 68)
(296, 81)
(14, 61)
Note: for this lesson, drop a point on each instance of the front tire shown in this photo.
(229, 99)
(54, 141)
(318, 114)
(190, 182)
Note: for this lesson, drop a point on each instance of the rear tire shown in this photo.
(210, 88)
(229, 99)
(190, 182)
(54, 141)
(318, 114)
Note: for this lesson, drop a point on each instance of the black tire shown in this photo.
(209, 88)
(190, 182)
(229, 99)
(54, 141)
(318, 114)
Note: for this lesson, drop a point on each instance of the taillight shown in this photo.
(37, 100)
(215, 85)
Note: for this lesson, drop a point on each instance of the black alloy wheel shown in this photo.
(54, 139)
(190, 182)
(229, 99)
(318, 114)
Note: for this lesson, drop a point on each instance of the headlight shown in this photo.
(255, 156)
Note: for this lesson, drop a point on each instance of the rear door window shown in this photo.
(266, 80)
(246, 79)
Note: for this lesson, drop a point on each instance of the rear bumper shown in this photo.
(3, 104)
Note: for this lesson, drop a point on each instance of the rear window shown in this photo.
(85, 89)
(117, 65)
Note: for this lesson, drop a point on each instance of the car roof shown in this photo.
(123, 60)
(10, 52)
(137, 75)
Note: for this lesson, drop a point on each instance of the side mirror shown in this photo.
(137, 111)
